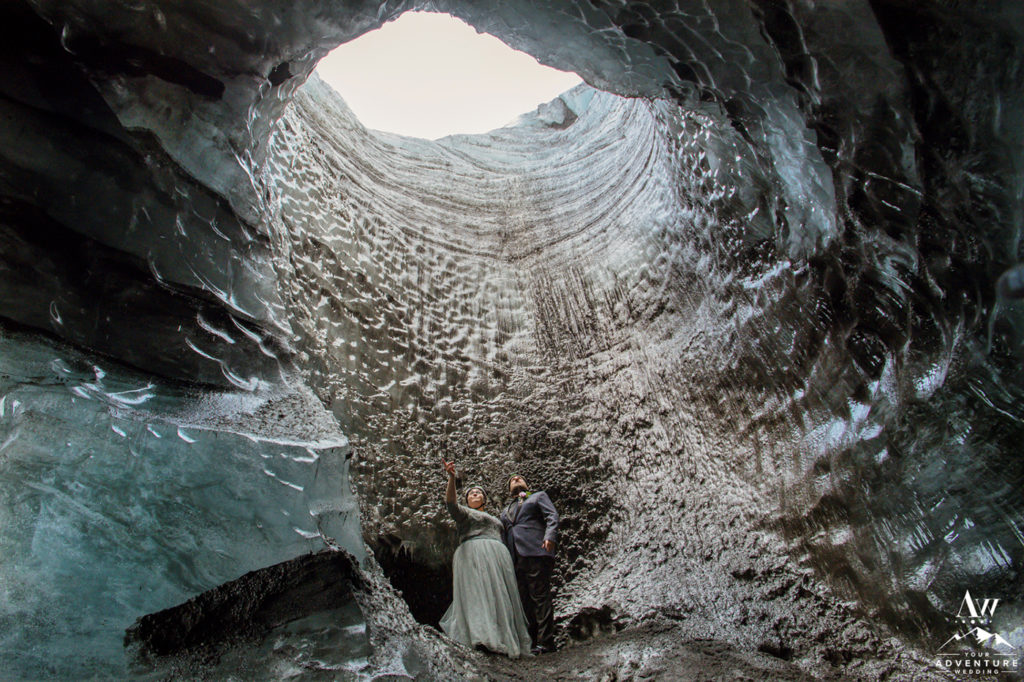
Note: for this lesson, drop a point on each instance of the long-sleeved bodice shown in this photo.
(472, 523)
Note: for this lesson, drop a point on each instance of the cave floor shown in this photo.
(658, 651)
(653, 651)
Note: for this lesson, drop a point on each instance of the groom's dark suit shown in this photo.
(528, 523)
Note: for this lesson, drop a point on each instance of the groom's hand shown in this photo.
(548, 546)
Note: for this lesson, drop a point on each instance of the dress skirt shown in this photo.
(485, 606)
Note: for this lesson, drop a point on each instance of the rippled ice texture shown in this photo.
(632, 308)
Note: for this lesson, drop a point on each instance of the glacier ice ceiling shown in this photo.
(746, 304)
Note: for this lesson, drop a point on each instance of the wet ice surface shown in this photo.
(330, 645)
(115, 506)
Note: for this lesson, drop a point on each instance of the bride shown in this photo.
(486, 611)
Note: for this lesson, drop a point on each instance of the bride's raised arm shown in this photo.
(449, 493)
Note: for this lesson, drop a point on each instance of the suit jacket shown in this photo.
(526, 527)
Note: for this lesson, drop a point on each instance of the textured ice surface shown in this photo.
(122, 496)
(759, 335)
(293, 618)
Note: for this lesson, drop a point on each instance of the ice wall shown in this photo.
(122, 495)
(745, 331)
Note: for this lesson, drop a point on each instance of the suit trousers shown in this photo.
(533, 574)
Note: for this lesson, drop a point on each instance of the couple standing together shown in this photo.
(501, 571)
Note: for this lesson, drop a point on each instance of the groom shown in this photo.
(531, 530)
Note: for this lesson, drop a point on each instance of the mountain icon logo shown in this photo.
(980, 636)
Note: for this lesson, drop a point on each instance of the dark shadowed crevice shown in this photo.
(248, 608)
(132, 60)
(425, 587)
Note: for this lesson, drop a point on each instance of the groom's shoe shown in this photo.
(538, 650)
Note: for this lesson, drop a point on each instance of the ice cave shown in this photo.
(747, 304)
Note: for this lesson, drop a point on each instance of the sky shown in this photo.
(430, 75)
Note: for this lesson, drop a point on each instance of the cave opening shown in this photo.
(429, 74)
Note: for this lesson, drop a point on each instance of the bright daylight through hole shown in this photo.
(430, 75)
